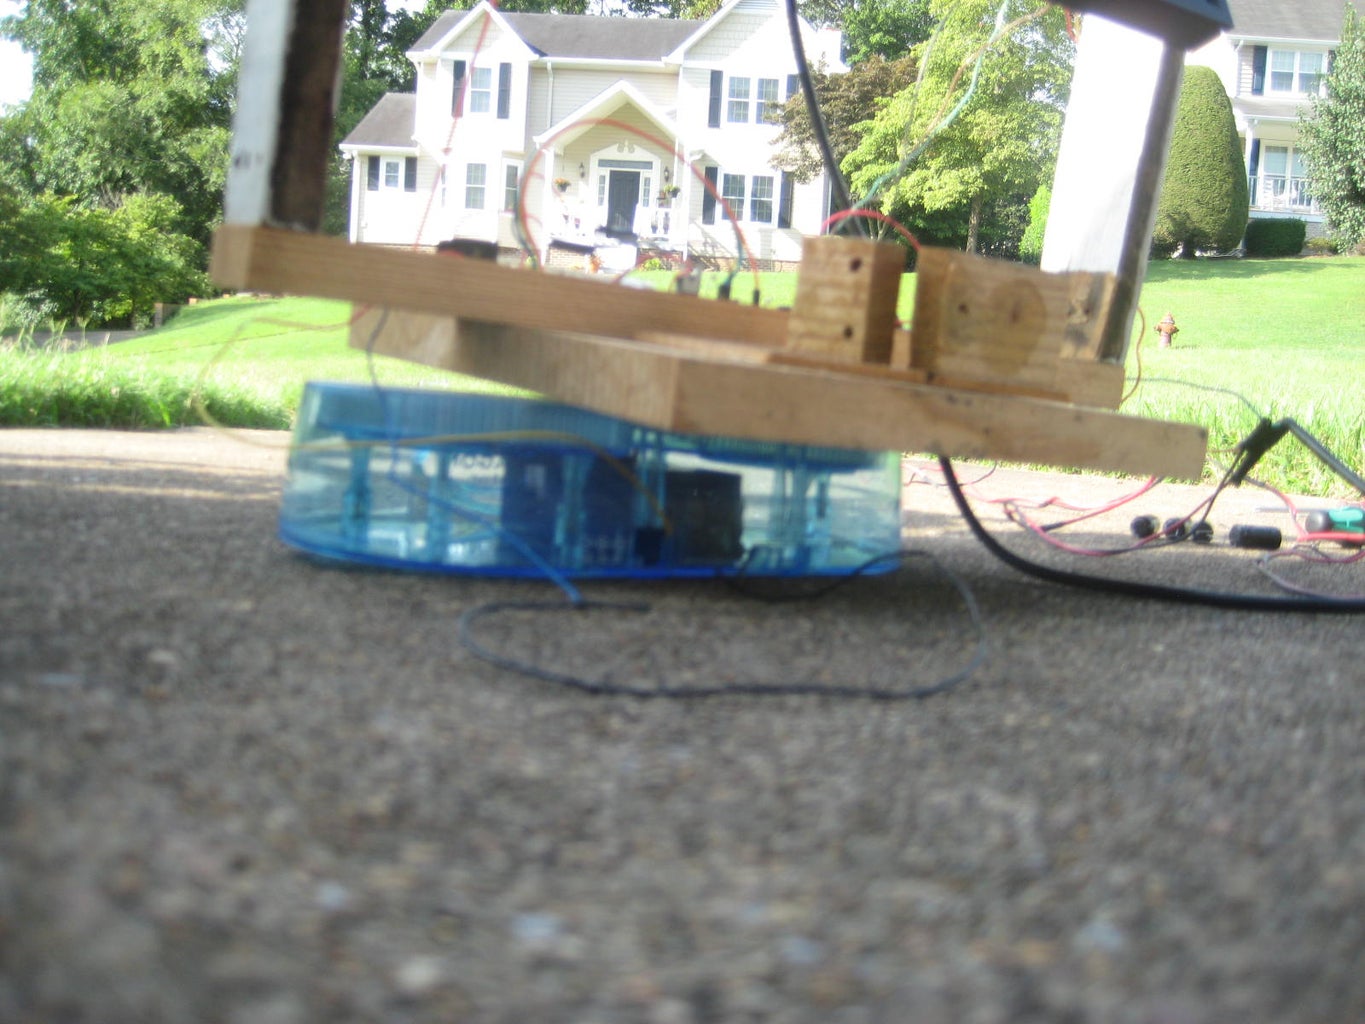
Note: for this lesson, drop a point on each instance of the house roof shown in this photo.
(1278, 19)
(582, 35)
(388, 125)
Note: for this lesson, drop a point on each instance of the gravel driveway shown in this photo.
(240, 787)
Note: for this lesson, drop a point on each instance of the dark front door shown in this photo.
(623, 195)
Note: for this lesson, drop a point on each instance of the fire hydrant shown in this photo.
(1167, 329)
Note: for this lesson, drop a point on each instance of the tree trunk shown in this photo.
(974, 224)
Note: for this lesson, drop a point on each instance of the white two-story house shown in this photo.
(1272, 62)
(533, 129)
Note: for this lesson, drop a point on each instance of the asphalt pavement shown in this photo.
(237, 785)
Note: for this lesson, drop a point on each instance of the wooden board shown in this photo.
(673, 389)
(268, 259)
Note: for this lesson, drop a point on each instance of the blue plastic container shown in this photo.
(490, 485)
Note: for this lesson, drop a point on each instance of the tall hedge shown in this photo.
(1204, 200)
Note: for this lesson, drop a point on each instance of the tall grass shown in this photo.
(51, 389)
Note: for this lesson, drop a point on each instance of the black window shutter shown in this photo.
(784, 204)
(1258, 57)
(372, 181)
(713, 117)
(708, 198)
(793, 86)
(457, 91)
(1255, 164)
(504, 91)
(410, 174)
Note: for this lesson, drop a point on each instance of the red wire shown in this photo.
(876, 215)
(671, 147)
(454, 122)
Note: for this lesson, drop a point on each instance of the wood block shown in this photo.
(1088, 313)
(846, 297)
(988, 319)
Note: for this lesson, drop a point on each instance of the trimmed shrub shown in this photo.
(1031, 245)
(1276, 237)
(1204, 198)
(1321, 246)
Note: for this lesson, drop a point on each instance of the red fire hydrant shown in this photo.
(1167, 329)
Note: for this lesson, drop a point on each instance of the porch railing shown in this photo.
(1283, 194)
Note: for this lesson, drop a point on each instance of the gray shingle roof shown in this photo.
(390, 122)
(583, 35)
(1287, 19)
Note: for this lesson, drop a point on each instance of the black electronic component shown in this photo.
(1259, 538)
(1182, 23)
(1202, 532)
(1144, 526)
(1336, 520)
(1176, 529)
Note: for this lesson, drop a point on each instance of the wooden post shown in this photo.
(1112, 163)
(282, 131)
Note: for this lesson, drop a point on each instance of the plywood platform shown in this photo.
(682, 363)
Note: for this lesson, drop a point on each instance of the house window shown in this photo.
(510, 181)
(1283, 183)
(475, 178)
(761, 199)
(601, 190)
(646, 186)
(393, 173)
(1296, 74)
(767, 111)
(732, 191)
(480, 90)
(739, 101)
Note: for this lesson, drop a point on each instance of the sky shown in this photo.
(16, 69)
(15, 66)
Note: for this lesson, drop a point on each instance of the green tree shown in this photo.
(978, 133)
(847, 102)
(1333, 137)
(63, 260)
(129, 97)
(884, 28)
(1203, 201)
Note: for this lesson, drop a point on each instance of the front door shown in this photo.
(623, 196)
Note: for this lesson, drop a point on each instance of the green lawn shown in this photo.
(1287, 334)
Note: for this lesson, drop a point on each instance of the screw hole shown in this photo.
(848, 332)
(855, 264)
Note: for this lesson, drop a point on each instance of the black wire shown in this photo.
(817, 119)
(1211, 389)
(1137, 588)
(742, 689)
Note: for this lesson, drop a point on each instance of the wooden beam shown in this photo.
(268, 259)
(673, 389)
(282, 129)
(1112, 163)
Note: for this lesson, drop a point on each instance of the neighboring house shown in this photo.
(598, 120)
(1272, 62)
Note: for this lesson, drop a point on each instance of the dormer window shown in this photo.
(738, 110)
(1296, 73)
(480, 90)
